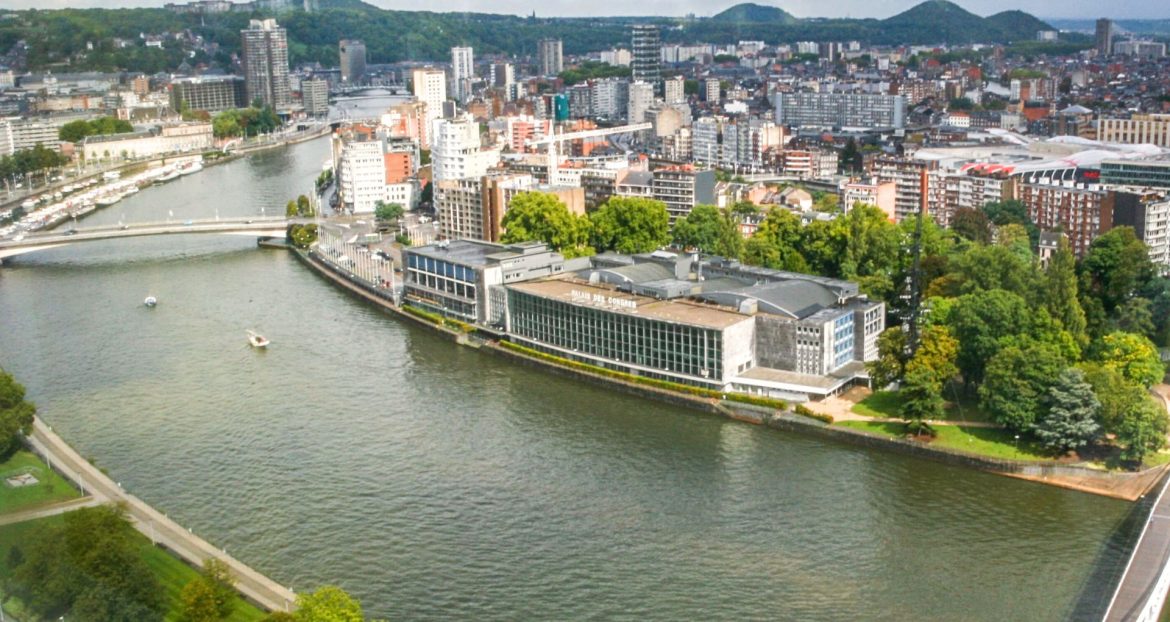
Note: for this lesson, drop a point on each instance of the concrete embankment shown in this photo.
(1118, 485)
(155, 525)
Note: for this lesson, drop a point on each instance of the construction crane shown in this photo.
(552, 140)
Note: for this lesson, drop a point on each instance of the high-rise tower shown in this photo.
(265, 47)
(647, 57)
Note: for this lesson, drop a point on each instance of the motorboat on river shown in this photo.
(256, 340)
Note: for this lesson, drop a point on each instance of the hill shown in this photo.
(947, 21)
(1018, 25)
(748, 12)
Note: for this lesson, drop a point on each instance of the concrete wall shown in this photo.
(775, 342)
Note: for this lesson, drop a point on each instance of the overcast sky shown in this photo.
(1141, 9)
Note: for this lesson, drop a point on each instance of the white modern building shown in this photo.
(430, 88)
(641, 98)
(362, 175)
(456, 152)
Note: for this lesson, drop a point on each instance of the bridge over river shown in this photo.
(260, 228)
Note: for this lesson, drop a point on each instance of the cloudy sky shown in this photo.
(1147, 9)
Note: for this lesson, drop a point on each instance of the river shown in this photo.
(436, 482)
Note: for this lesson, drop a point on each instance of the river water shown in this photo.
(436, 482)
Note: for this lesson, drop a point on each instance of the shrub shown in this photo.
(805, 411)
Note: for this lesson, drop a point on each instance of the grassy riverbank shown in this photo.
(172, 573)
(989, 442)
(50, 487)
(888, 404)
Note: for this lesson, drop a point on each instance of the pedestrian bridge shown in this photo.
(259, 228)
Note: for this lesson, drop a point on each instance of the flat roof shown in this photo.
(791, 379)
(613, 301)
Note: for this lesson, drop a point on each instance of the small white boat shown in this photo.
(167, 176)
(256, 340)
(190, 167)
(150, 301)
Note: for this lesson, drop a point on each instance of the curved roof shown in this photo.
(795, 299)
(636, 273)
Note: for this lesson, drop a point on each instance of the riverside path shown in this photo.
(156, 526)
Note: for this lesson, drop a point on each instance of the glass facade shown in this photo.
(1151, 174)
(631, 339)
(450, 287)
(842, 340)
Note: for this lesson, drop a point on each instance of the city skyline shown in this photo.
(1076, 9)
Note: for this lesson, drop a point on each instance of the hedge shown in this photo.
(435, 318)
(651, 382)
(804, 411)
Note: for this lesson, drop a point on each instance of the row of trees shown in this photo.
(622, 224)
(245, 122)
(27, 161)
(76, 131)
(211, 597)
(16, 415)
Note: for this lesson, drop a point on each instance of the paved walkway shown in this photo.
(1142, 588)
(45, 511)
(160, 529)
(841, 409)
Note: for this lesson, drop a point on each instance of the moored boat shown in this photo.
(256, 340)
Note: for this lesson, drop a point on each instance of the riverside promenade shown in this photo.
(153, 524)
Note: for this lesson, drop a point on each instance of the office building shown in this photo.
(828, 110)
(1104, 37)
(647, 56)
(265, 63)
(315, 97)
(430, 88)
(353, 61)
(464, 278)
(210, 94)
(1139, 173)
(1140, 128)
(549, 57)
(462, 72)
(171, 139)
(738, 328)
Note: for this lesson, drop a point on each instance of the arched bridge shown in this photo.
(269, 227)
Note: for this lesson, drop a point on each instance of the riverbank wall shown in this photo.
(1126, 486)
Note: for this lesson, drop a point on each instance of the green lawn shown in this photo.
(888, 405)
(990, 442)
(50, 487)
(172, 573)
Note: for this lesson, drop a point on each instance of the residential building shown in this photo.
(909, 176)
(503, 75)
(265, 63)
(207, 93)
(681, 188)
(353, 61)
(870, 192)
(641, 98)
(675, 90)
(647, 55)
(1082, 213)
(617, 57)
(1148, 213)
(712, 90)
(179, 138)
(18, 134)
(1140, 48)
(456, 150)
(361, 174)
(807, 163)
(707, 140)
(1104, 37)
(429, 87)
(549, 57)
(315, 97)
(609, 98)
(840, 110)
(462, 72)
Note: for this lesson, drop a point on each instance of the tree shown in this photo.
(776, 243)
(388, 211)
(710, 230)
(1016, 384)
(921, 399)
(893, 353)
(218, 578)
(88, 566)
(994, 267)
(328, 604)
(1136, 315)
(972, 224)
(935, 355)
(198, 602)
(1120, 399)
(1142, 431)
(630, 225)
(979, 321)
(290, 210)
(16, 415)
(1116, 266)
(850, 160)
(1070, 422)
(1060, 292)
(1134, 356)
(540, 216)
(304, 208)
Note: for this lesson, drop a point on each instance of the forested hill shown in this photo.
(59, 39)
